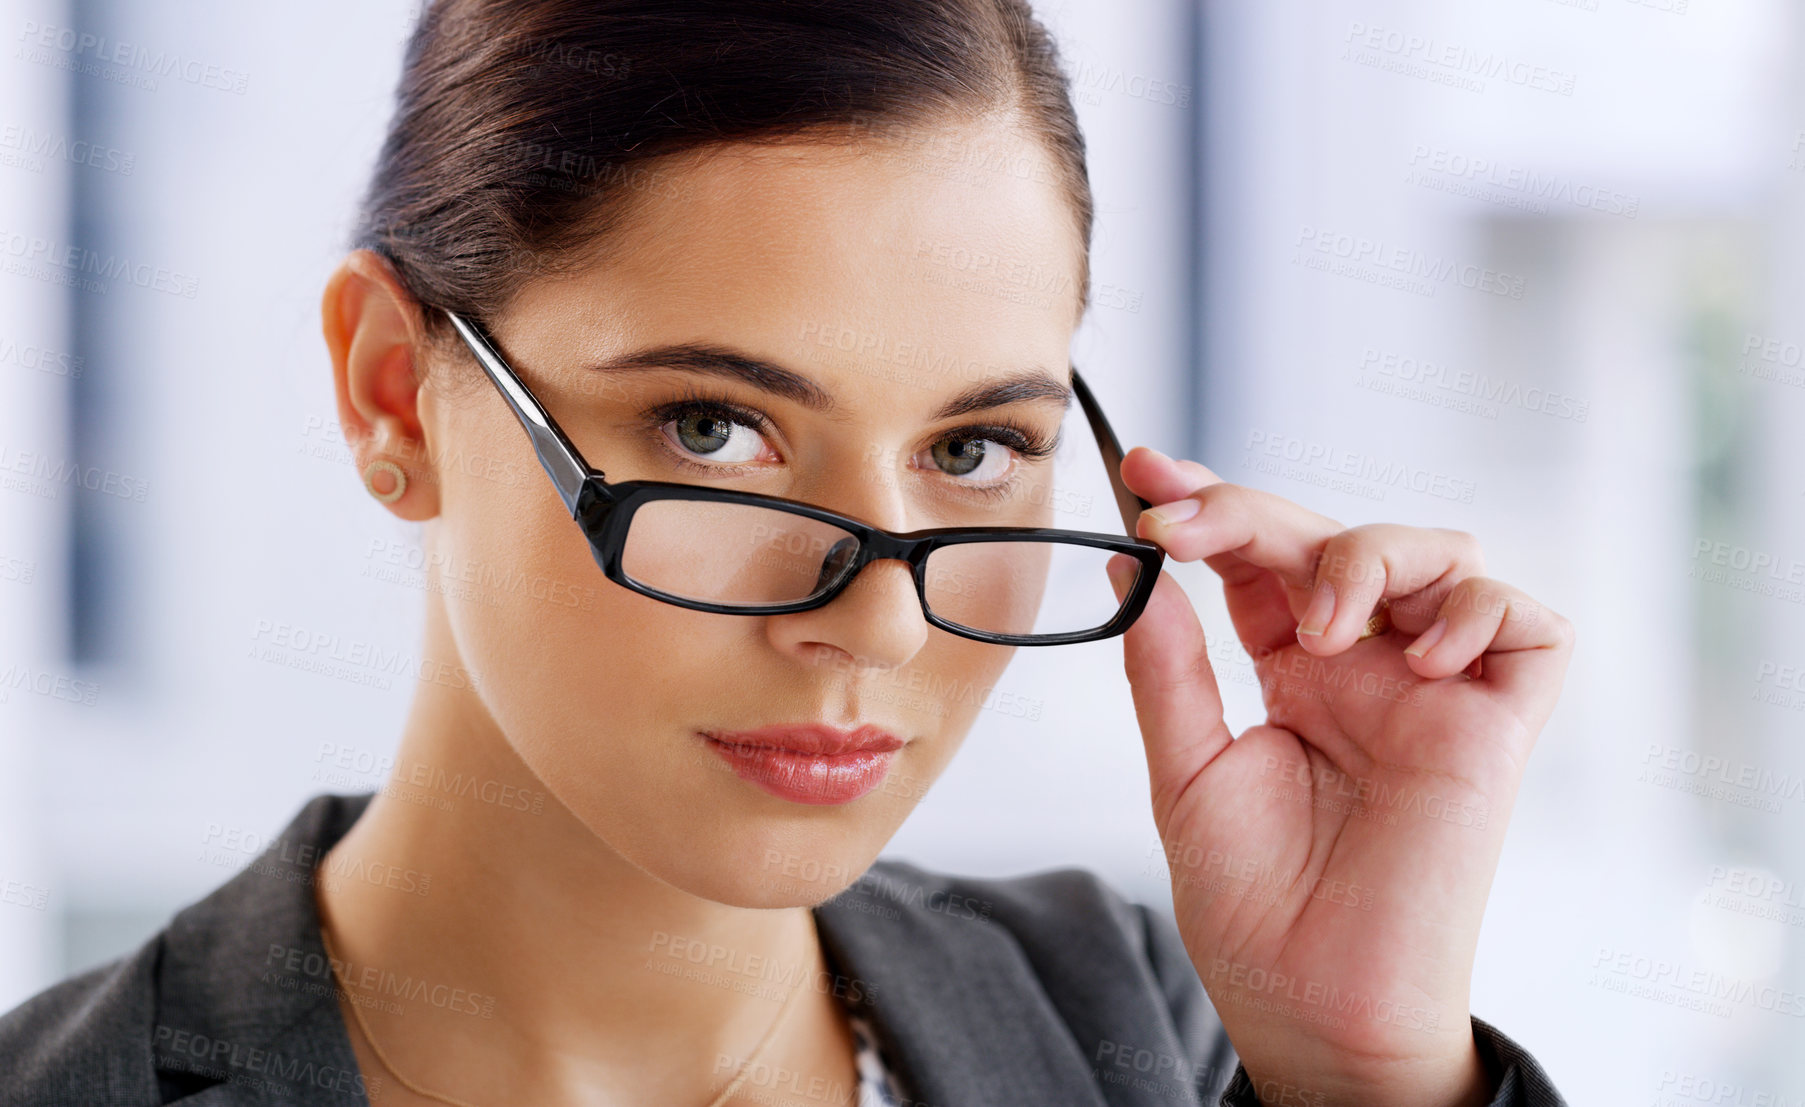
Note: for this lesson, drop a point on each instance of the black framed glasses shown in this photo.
(742, 553)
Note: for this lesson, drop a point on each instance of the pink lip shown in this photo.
(809, 762)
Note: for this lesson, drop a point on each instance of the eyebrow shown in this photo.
(1025, 386)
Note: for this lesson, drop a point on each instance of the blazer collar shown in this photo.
(244, 989)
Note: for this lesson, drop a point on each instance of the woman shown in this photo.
(628, 849)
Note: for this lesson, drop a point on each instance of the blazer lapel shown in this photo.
(954, 1001)
(230, 1006)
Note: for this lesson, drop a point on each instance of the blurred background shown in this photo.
(1527, 268)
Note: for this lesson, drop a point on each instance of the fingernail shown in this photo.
(1156, 452)
(1321, 610)
(1176, 512)
(1428, 640)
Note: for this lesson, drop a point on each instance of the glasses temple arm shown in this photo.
(555, 451)
(1130, 504)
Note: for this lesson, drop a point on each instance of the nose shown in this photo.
(875, 623)
(835, 563)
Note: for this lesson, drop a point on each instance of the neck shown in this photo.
(530, 962)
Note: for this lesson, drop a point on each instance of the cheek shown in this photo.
(964, 677)
(531, 613)
(592, 685)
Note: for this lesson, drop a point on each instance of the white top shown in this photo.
(878, 1086)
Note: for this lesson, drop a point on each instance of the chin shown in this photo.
(771, 866)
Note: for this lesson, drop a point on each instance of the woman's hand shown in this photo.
(1330, 867)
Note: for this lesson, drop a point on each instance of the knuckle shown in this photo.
(1466, 546)
(1478, 594)
(1221, 489)
(1351, 556)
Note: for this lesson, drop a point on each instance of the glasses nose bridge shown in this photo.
(878, 546)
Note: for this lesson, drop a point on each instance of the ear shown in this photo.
(375, 332)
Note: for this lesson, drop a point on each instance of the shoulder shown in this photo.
(75, 1042)
(1114, 969)
(95, 1038)
(1052, 911)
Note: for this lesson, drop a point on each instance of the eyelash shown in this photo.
(1024, 440)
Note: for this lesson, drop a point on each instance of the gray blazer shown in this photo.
(1050, 990)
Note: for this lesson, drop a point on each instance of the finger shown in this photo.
(1362, 565)
(1176, 699)
(1159, 479)
(1257, 543)
(1265, 530)
(1524, 645)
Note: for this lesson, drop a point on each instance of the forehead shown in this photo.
(926, 257)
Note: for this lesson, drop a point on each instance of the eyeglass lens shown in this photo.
(740, 554)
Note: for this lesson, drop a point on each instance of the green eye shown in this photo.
(706, 433)
(961, 456)
(703, 434)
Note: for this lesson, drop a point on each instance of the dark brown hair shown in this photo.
(523, 128)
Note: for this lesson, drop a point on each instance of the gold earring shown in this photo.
(385, 466)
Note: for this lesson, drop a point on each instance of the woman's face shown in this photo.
(892, 275)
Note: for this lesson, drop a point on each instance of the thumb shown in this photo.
(1176, 699)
